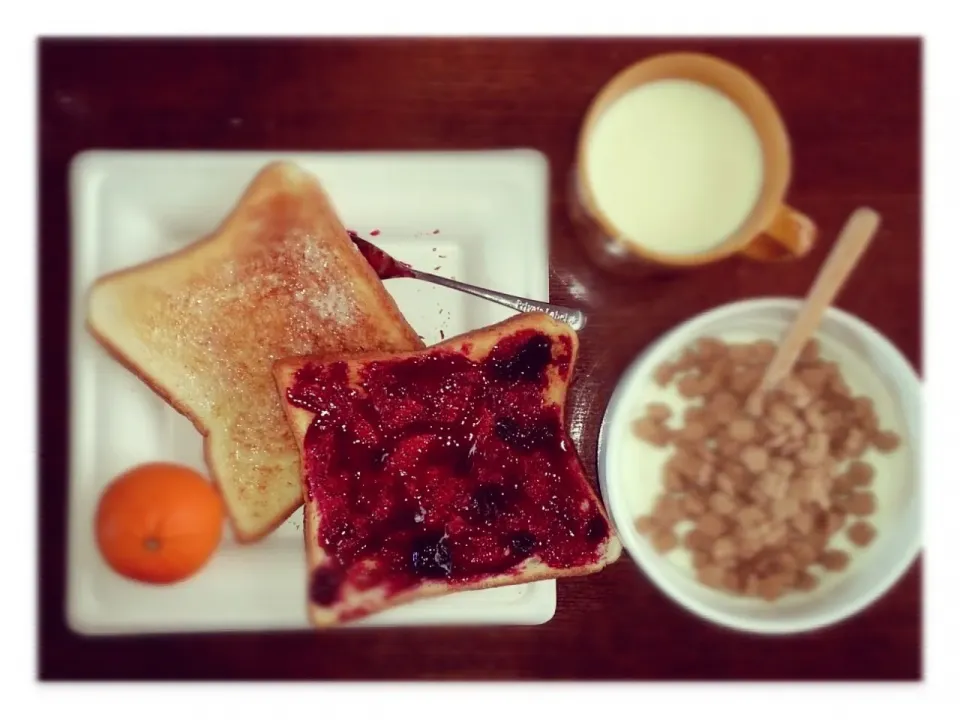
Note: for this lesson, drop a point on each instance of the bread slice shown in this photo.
(203, 327)
(441, 470)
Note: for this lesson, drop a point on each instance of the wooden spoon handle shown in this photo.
(854, 239)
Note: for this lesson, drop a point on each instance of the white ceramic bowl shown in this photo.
(630, 470)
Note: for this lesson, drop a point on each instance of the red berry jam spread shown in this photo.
(383, 265)
(440, 467)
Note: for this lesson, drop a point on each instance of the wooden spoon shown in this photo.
(854, 239)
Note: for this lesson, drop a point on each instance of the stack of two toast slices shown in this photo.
(447, 468)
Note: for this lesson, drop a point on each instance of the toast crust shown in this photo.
(282, 229)
(476, 344)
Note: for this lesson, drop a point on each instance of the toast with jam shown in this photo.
(203, 326)
(441, 470)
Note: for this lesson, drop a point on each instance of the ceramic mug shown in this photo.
(771, 231)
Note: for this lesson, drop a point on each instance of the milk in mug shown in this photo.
(675, 166)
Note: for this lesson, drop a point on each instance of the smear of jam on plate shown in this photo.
(441, 467)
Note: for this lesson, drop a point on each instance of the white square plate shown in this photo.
(480, 217)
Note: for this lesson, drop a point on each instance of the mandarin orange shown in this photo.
(159, 522)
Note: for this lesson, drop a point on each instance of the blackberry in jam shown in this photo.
(325, 585)
(522, 544)
(528, 363)
(430, 555)
(596, 529)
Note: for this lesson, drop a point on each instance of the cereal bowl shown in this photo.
(630, 470)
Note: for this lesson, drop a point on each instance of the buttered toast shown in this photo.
(203, 326)
(441, 470)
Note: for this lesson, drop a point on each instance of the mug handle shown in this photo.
(791, 235)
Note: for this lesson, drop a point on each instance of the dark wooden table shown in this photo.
(853, 110)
